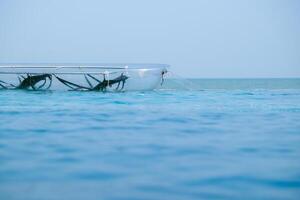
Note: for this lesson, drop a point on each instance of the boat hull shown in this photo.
(86, 78)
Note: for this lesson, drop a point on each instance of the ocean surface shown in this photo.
(192, 139)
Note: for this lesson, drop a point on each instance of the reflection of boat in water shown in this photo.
(86, 77)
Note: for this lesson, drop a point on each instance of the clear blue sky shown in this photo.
(212, 38)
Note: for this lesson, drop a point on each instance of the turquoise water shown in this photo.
(222, 139)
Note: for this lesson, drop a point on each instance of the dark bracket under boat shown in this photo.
(31, 81)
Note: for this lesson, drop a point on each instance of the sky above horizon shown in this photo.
(212, 38)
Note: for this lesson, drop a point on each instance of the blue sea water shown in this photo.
(216, 139)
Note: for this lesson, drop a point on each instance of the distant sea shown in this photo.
(191, 139)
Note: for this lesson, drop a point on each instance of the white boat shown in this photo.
(82, 76)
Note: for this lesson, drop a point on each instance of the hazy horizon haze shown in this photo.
(205, 39)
